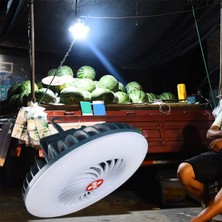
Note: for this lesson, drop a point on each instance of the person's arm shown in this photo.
(216, 145)
(214, 132)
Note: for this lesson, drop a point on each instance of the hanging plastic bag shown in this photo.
(31, 125)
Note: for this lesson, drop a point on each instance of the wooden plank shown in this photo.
(142, 106)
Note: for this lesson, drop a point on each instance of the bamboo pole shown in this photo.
(32, 51)
(220, 48)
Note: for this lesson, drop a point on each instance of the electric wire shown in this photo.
(61, 63)
(64, 58)
(143, 16)
(202, 53)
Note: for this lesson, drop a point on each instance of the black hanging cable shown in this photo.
(62, 61)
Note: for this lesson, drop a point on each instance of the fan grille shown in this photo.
(88, 184)
(56, 144)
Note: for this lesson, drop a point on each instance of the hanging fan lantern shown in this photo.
(82, 166)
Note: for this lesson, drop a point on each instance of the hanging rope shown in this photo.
(202, 52)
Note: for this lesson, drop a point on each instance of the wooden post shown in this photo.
(32, 50)
(220, 48)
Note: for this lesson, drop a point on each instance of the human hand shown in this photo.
(216, 145)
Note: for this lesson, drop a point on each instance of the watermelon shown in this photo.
(121, 87)
(55, 83)
(105, 95)
(167, 96)
(61, 71)
(45, 96)
(151, 97)
(39, 84)
(14, 89)
(97, 84)
(138, 96)
(72, 95)
(109, 82)
(157, 96)
(51, 72)
(131, 86)
(20, 87)
(27, 86)
(69, 80)
(86, 72)
(121, 97)
(25, 97)
(85, 84)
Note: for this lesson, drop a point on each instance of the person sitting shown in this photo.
(196, 172)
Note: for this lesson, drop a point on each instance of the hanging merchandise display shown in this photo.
(31, 125)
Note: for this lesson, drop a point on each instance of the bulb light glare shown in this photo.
(79, 30)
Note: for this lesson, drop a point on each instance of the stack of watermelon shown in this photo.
(60, 86)
(18, 95)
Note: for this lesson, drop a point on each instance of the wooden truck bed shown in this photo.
(173, 131)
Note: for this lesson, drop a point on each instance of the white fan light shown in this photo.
(82, 166)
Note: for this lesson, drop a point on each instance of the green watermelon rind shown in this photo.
(131, 86)
(102, 94)
(167, 96)
(121, 87)
(122, 97)
(45, 96)
(27, 86)
(61, 71)
(72, 95)
(84, 84)
(151, 97)
(109, 82)
(138, 96)
(18, 88)
(86, 72)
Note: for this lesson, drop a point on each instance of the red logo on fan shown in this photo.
(94, 185)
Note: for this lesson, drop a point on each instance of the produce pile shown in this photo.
(61, 86)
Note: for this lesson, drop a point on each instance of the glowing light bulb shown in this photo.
(79, 30)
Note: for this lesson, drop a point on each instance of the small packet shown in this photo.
(42, 125)
(20, 127)
(32, 132)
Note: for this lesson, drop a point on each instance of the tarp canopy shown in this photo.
(131, 34)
